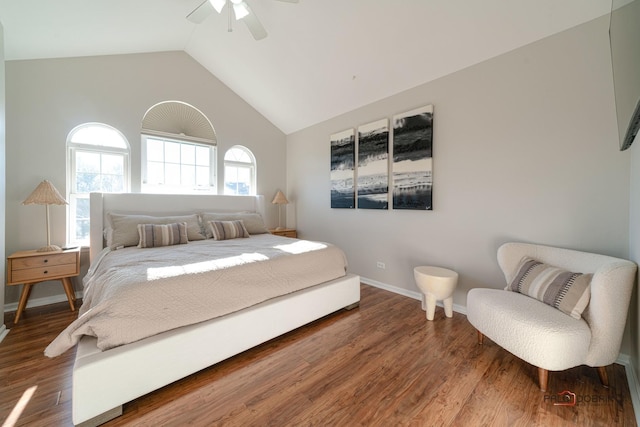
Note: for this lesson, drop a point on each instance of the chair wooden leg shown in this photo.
(543, 378)
(604, 378)
(480, 338)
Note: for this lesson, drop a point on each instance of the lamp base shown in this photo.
(281, 228)
(50, 248)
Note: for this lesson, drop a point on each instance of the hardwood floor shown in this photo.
(381, 364)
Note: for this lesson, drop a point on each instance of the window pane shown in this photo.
(230, 180)
(244, 175)
(172, 174)
(113, 164)
(230, 174)
(82, 219)
(87, 162)
(237, 155)
(202, 176)
(188, 176)
(112, 183)
(244, 181)
(87, 182)
(172, 152)
(188, 154)
(203, 156)
(155, 173)
(100, 135)
(155, 150)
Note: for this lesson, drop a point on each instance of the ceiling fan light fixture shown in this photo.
(240, 9)
(218, 5)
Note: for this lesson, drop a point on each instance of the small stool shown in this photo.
(436, 283)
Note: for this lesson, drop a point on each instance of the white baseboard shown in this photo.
(634, 385)
(37, 302)
(407, 293)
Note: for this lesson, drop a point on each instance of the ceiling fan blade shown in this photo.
(255, 26)
(201, 12)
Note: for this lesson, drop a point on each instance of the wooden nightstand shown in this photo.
(286, 232)
(31, 267)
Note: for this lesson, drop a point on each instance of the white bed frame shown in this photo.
(104, 380)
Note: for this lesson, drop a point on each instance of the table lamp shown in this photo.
(280, 200)
(46, 194)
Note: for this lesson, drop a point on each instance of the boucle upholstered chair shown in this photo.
(543, 335)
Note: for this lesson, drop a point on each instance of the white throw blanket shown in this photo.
(132, 293)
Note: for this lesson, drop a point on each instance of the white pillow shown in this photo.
(124, 228)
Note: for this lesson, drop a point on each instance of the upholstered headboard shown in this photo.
(161, 205)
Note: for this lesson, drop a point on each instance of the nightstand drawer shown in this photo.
(44, 261)
(43, 273)
(284, 232)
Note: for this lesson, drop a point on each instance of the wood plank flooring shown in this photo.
(381, 364)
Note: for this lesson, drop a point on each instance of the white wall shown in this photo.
(46, 99)
(634, 255)
(524, 149)
(2, 181)
(628, 22)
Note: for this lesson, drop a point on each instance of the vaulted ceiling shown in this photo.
(321, 57)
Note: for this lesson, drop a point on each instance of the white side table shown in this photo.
(437, 284)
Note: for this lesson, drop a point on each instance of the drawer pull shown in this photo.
(46, 272)
(46, 261)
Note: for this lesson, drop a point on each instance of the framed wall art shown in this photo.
(343, 160)
(373, 165)
(412, 159)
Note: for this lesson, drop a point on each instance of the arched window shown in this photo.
(239, 171)
(178, 149)
(98, 160)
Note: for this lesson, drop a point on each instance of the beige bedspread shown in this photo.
(132, 293)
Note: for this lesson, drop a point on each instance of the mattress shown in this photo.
(134, 293)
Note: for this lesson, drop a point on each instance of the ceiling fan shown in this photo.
(238, 8)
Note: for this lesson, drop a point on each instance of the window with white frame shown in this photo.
(178, 150)
(239, 171)
(174, 166)
(98, 161)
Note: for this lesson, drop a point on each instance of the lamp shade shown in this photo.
(280, 199)
(45, 194)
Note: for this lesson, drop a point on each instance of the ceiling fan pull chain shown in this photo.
(229, 12)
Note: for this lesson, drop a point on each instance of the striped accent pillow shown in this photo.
(154, 235)
(568, 292)
(224, 230)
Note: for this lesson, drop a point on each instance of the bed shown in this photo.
(103, 380)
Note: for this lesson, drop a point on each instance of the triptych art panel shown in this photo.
(373, 165)
(412, 160)
(343, 160)
(367, 181)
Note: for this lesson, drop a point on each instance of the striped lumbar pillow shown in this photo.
(223, 230)
(153, 235)
(568, 292)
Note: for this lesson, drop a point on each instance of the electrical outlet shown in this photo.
(381, 265)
